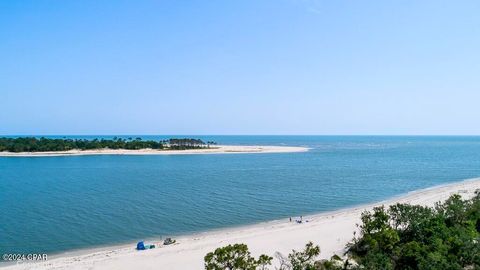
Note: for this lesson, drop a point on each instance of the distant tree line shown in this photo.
(404, 236)
(186, 143)
(33, 144)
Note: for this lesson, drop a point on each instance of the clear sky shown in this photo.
(240, 67)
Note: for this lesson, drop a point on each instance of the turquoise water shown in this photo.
(55, 204)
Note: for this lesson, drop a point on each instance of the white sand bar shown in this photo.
(330, 230)
(217, 149)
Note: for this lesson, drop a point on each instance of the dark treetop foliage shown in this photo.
(303, 260)
(402, 237)
(415, 237)
(32, 144)
(235, 257)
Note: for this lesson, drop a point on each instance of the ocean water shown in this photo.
(56, 204)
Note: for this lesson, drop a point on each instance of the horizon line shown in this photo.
(324, 135)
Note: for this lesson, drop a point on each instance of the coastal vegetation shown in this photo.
(402, 236)
(235, 256)
(33, 144)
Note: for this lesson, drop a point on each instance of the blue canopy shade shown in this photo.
(140, 246)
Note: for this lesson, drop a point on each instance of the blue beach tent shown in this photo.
(140, 246)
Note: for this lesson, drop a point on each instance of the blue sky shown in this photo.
(240, 67)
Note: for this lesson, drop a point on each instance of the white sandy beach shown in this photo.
(217, 149)
(331, 230)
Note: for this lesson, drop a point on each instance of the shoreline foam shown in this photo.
(331, 230)
(218, 149)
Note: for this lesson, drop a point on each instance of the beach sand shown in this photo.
(217, 149)
(330, 230)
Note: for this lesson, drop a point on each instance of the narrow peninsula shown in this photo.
(41, 147)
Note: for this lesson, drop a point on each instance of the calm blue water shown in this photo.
(54, 204)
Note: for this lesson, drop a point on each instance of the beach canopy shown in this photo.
(140, 246)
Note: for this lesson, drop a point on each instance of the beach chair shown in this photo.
(169, 241)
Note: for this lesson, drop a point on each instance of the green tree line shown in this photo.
(33, 144)
(404, 236)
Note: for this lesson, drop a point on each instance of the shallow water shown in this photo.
(54, 204)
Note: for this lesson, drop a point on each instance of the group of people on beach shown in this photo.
(297, 220)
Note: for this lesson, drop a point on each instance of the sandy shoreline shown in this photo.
(331, 230)
(217, 149)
